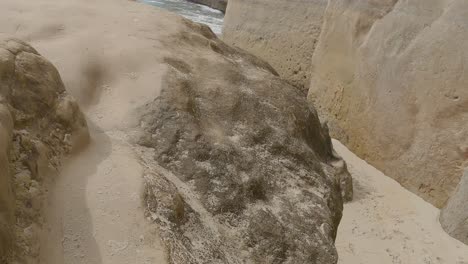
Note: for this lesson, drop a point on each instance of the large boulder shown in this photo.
(39, 123)
(454, 216)
(239, 168)
(282, 32)
(390, 76)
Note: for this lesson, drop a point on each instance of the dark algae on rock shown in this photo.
(239, 167)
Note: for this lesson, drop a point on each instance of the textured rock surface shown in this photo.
(39, 123)
(6, 193)
(239, 168)
(391, 78)
(282, 32)
(454, 216)
(216, 4)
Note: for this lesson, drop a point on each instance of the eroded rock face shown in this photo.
(282, 32)
(239, 168)
(390, 77)
(6, 192)
(454, 216)
(39, 123)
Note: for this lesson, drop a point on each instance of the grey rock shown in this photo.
(239, 167)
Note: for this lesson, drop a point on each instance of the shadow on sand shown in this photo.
(68, 235)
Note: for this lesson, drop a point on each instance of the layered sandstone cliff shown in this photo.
(391, 78)
(283, 33)
(39, 123)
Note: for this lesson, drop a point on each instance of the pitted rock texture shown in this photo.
(454, 216)
(390, 77)
(39, 123)
(282, 32)
(239, 168)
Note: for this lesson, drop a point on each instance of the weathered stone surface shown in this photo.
(454, 216)
(6, 193)
(390, 77)
(39, 123)
(239, 168)
(216, 4)
(282, 32)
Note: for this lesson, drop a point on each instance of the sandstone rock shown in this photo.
(239, 168)
(454, 216)
(33, 123)
(282, 32)
(6, 192)
(390, 78)
(215, 4)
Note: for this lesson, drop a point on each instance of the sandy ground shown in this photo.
(95, 214)
(387, 224)
(109, 55)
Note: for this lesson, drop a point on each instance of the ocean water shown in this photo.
(198, 13)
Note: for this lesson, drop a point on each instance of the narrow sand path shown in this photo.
(97, 206)
(387, 224)
(95, 214)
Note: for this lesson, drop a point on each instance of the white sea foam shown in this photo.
(198, 13)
